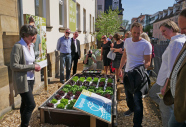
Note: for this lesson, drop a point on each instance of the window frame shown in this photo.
(78, 17)
(44, 11)
(84, 20)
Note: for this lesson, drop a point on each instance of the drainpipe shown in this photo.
(20, 13)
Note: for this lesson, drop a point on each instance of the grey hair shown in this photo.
(28, 30)
(110, 35)
(67, 29)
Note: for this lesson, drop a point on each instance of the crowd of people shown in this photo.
(133, 55)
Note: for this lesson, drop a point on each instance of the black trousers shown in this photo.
(27, 105)
(134, 102)
(75, 58)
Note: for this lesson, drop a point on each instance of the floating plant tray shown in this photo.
(57, 109)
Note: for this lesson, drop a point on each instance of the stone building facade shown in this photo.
(57, 17)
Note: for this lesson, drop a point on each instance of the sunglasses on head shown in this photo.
(67, 32)
(31, 26)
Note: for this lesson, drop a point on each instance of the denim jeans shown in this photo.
(27, 105)
(65, 60)
(173, 123)
(134, 102)
(165, 110)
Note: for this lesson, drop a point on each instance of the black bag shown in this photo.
(136, 79)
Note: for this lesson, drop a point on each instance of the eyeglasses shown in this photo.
(103, 38)
(67, 32)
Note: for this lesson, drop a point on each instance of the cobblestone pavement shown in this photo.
(151, 113)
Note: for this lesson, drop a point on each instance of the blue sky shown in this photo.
(133, 8)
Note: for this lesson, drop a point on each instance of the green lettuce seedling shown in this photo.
(66, 90)
(53, 101)
(67, 86)
(61, 105)
(109, 88)
(64, 101)
(92, 87)
(109, 92)
(91, 90)
(110, 80)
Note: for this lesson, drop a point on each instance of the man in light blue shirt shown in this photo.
(64, 46)
(109, 38)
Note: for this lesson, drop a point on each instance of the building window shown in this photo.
(42, 9)
(62, 13)
(84, 20)
(99, 7)
(90, 23)
(78, 17)
(93, 25)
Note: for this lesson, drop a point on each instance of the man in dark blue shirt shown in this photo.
(64, 46)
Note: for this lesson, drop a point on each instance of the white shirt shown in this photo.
(75, 45)
(169, 57)
(135, 52)
(29, 57)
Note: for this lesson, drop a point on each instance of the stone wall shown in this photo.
(8, 36)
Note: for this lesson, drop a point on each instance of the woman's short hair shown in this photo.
(129, 34)
(171, 25)
(145, 36)
(183, 13)
(117, 36)
(103, 36)
(31, 19)
(27, 30)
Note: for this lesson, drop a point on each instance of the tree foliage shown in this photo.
(108, 23)
(147, 29)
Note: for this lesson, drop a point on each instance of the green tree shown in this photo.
(108, 23)
(148, 29)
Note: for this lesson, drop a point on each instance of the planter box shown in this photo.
(73, 117)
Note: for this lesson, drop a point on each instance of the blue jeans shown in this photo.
(65, 60)
(134, 102)
(173, 123)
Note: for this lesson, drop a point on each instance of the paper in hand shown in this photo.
(160, 95)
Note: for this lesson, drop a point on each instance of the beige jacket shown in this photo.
(180, 93)
(19, 69)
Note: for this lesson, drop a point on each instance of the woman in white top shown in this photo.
(23, 67)
(169, 30)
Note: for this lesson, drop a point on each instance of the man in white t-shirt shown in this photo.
(137, 51)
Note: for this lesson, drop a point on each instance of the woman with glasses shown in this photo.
(118, 49)
(23, 67)
(169, 30)
(105, 48)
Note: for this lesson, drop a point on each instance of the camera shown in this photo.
(89, 54)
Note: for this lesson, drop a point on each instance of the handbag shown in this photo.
(111, 55)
